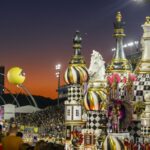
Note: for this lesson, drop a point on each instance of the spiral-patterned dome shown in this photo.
(113, 143)
(77, 72)
(94, 99)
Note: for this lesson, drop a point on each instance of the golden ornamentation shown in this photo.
(147, 20)
(74, 123)
(139, 107)
(119, 62)
(119, 16)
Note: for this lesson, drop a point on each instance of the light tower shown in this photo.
(75, 76)
(2, 71)
(58, 69)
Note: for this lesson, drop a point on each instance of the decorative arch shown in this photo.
(14, 98)
(3, 100)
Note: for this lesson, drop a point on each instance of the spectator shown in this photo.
(49, 121)
(25, 146)
(12, 142)
(41, 145)
(1, 137)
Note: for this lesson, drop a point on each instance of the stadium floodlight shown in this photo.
(58, 69)
(130, 44)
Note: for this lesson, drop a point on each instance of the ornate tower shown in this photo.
(119, 63)
(75, 76)
(142, 85)
(95, 102)
(145, 117)
(144, 65)
(119, 85)
(76, 72)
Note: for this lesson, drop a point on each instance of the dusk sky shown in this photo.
(37, 34)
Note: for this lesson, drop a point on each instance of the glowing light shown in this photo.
(58, 67)
(125, 45)
(136, 42)
(138, 1)
(113, 49)
(130, 44)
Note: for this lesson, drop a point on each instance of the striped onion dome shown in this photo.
(76, 72)
(95, 99)
(113, 143)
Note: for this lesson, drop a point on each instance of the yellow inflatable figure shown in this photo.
(16, 76)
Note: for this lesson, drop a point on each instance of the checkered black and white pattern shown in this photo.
(75, 92)
(141, 86)
(122, 92)
(145, 131)
(135, 128)
(96, 120)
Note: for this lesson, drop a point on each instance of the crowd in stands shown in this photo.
(13, 141)
(49, 121)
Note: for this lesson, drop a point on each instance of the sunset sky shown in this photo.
(37, 34)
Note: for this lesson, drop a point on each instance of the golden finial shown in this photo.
(118, 16)
(147, 20)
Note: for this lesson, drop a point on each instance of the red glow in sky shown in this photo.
(36, 35)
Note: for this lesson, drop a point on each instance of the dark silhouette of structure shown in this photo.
(2, 71)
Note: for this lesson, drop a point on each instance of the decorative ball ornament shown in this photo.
(95, 99)
(113, 143)
(76, 72)
(16, 75)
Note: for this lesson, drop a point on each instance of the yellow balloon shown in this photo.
(16, 76)
(36, 130)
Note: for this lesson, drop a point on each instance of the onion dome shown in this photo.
(76, 72)
(113, 143)
(95, 99)
(119, 62)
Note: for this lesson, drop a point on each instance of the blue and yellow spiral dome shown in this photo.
(113, 143)
(95, 99)
(76, 72)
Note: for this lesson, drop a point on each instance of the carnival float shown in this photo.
(108, 106)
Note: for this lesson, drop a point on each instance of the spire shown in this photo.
(118, 26)
(77, 58)
(119, 35)
(77, 43)
(119, 62)
(147, 22)
(76, 72)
